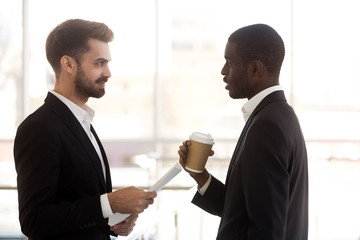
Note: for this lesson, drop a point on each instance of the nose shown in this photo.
(107, 72)
(223, 70)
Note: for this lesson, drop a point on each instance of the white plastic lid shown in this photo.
(202, 137)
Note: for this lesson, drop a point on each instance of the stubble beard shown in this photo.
(85, 87)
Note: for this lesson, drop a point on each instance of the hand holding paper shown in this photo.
(118, 217)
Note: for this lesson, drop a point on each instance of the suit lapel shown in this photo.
(275, 96)
(75, 127)
(107, 167)
(237, 148)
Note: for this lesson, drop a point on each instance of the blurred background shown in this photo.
(166, 83)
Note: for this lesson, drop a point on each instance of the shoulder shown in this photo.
(273, 118)
(42, 118)
(42, 122)
(47, 115)
(274, 108)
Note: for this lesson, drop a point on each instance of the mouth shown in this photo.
(101, 82)
(227, 84)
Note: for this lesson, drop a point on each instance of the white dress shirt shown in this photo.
(247, 110)
(85, 117)
(250, 105)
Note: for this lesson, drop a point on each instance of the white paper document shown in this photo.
(119, 217)
(166, 178)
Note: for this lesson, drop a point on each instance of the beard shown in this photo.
(85, 87)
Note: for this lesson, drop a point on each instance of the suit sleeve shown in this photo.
(213, 199)
(37, 154)
(266, 180)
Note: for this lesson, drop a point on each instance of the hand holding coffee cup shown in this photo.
(198, 151)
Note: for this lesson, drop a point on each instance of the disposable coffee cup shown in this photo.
(198, 151)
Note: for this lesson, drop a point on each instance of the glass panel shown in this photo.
(326, 95)
(10, 66)
(11, 106)
(326, 68)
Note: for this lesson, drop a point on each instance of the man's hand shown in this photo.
(125, 228)
(130, 200)
(200, 178)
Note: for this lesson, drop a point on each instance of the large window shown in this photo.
(10, 67)
(166, 83)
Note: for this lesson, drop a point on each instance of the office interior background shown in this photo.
(166, 83)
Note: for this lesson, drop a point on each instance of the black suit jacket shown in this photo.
(265, 196)
(60, 178)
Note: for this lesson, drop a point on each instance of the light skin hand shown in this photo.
(200, 178)
(130, 200)
(125, 228)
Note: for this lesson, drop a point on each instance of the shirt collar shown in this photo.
(250, 105)
(82, 114)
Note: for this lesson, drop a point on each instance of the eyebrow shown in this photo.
(102, 60)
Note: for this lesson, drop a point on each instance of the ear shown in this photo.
(68, 64)
(256, 68)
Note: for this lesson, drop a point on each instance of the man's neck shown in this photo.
(71, 95)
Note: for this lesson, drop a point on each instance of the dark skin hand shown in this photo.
(200, 178)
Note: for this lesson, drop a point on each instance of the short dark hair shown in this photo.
(71, 38)
(260, 42)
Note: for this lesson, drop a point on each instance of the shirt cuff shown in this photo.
(203, 189)
(105, 206)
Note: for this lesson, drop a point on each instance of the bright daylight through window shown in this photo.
(166, 83)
